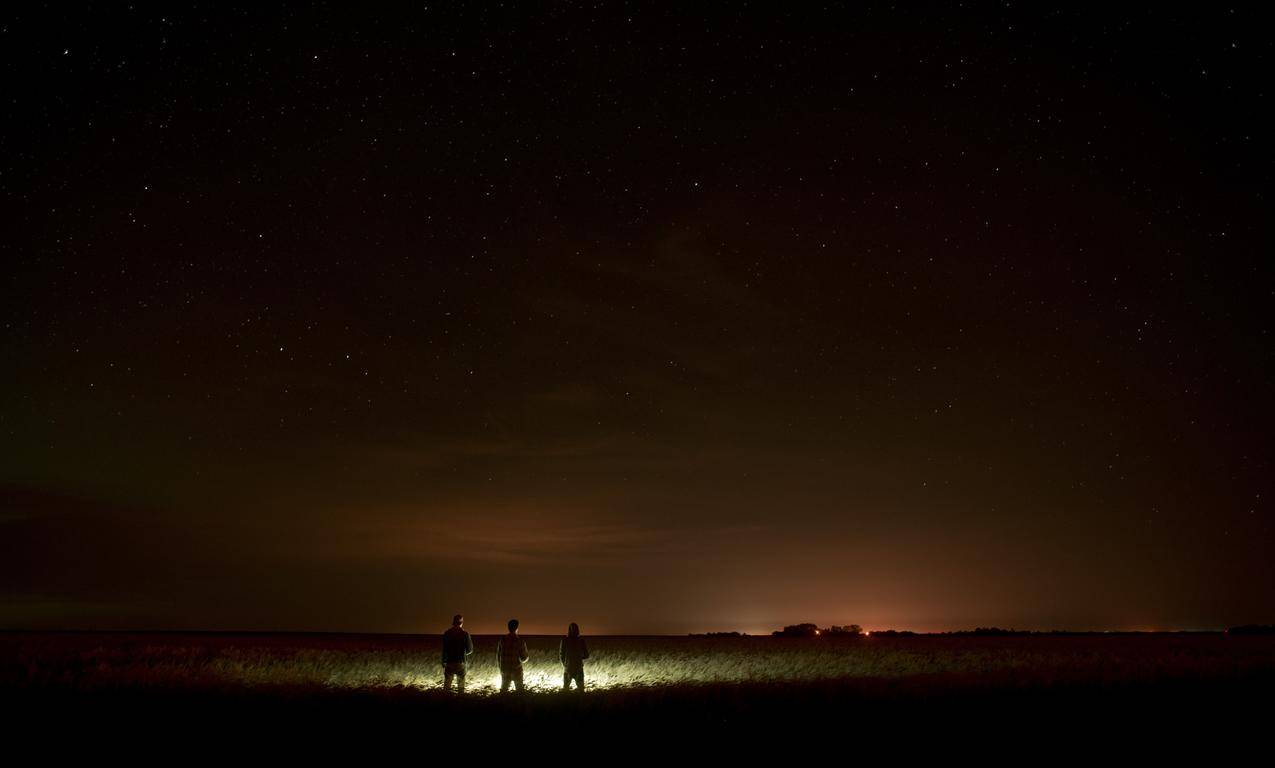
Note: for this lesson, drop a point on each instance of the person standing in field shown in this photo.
(511, 652)
(458, 646)
(572, 652)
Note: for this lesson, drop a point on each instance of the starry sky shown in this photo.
(652, 319)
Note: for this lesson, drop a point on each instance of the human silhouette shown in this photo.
(457, 647)
(511, 652)
(572, 652)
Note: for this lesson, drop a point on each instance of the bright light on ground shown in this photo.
(642, 662)
(538, 680)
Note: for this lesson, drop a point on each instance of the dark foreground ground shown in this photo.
(925, 717)
(1209, 698)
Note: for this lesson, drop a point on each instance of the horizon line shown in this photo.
(707, 633)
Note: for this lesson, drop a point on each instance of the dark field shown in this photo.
(1210, 690)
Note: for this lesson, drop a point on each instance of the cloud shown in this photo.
(519, 543)
(525, 538)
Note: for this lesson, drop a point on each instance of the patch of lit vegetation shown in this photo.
(93, 662)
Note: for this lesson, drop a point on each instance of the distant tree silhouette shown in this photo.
(990, 632)
(798, 630)
(1252, 629)
(812, 630)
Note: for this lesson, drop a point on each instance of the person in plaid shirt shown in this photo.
(511, 652)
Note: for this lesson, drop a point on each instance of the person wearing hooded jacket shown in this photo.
(572, 652)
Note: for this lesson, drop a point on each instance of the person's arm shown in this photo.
(444, 649)
(469, 644)
(562, 651)
(584, 650)
(499, 645)
(523, 656)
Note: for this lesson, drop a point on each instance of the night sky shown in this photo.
(646, 319)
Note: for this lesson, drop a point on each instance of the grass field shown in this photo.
(872, 682)
(99, 661)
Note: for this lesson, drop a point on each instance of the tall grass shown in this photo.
(106, 661)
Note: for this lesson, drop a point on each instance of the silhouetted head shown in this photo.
(513, 625)
(457, 620)
(573, 630)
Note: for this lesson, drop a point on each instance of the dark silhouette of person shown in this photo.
(511, 652)
(572, 652)
(457, 647)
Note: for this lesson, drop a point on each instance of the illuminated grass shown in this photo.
(91, 662)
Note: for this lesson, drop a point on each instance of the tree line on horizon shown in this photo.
(810, 629)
